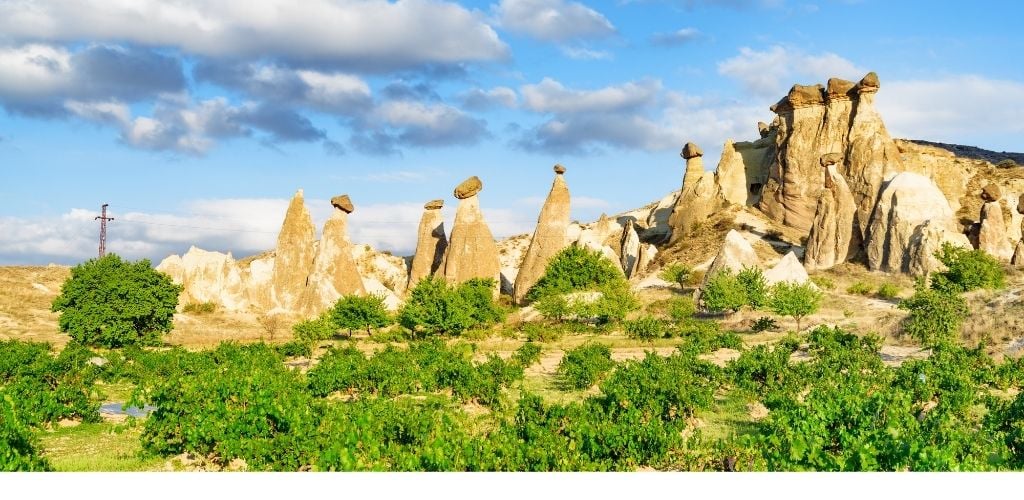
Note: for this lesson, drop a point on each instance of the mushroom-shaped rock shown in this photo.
(469, 187)
(991, 192)
(548, 239)
(343, 203)
(869, 83)
(431, 243)
(806, 95)
(294, 258)
(334, 270)
(839, 89)
(691, 150)
(789, 269)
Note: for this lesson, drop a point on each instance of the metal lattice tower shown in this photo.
(103, 229)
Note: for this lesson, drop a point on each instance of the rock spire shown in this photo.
(549, 237)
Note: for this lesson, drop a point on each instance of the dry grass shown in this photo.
(25, 297)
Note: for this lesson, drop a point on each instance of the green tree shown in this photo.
(754, 286)
(676, 273)
(967, 270)
(109, 302)
(724, 293)
(435, 307)
(935, 315)
(315, 330)
(796, 300)
(353, 312)
(575, 269)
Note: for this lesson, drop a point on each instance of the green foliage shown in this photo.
(200, 308)
(1007, 163)
(724, 293)
(754, 286)
(527, 355)
(859, 288)
(797, 300)
(435, 308)
(888, 291)
(935, 316)
(661, 388)
(47, 388)
(967, 270)
(823, 282)
(108, 302)
(608, 304)
(575, 269)
(354, 312)
(676, 273)
(315, 330)
(681, 309)
(18, 451)
(645, 328)
(764, 324)
(582, 367)
(295, 348)
(540, 332)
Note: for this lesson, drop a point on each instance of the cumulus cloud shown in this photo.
(477, 99)
(677, 37)
(38, 79)
(585, 54)
(955, 109)
(412, 123)
(552, 20)
(364, 34)
(772, 71)
(550, 96)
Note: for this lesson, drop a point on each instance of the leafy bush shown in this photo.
(754, 286)
(764, 324)
(823, 282)
(575, 269)
(676, 273)
(1007, 163)
(108, 302)
(527, 355)
(353, 312)
(935, 316)
(797, 300)
(540, 332)
(644, 328)
(859, 288)
(200, 308)
(47, 388)
(608, 304)
(18, 451)
(479, 296)
(704, 336)
(681, 309)
(888, 291)
(295, 348)
(663, 388)
(724, 293)
(315, 330)
(967, 270)
(582, 367)
(435, 308)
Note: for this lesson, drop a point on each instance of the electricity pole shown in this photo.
(103, 230)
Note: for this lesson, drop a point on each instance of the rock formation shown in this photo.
(743, 169)
(788, 269)
(647, 254)
(207, 277)
(833, 238)
(992, 236)
(1018, 252)
(294, 258)
(472, 252)
(334, 270)
(431, 243)
(549, 237)
(898, 234)
(735, 254)
(701, 195)
(630, 253)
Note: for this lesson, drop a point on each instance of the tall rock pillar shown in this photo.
(700, 197)
(472, 251)
(334, 270)
(548, 239)
(431, 243)
(833, 238)
(293, 261)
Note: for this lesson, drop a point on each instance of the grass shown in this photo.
(118, 392)
(100, 447)
(729, 416)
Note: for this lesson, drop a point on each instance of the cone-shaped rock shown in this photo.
(789, 269)
(1018, 255)
(735, 254)
(630, 250)
(293, 262)
(548, 239)
(992, 235)
(472, 251)
(431, 243)
(833, 238)
(334, 270)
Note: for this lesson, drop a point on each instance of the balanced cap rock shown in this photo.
(431, 243)
(559, 169)
(548, 239)
(343, 203)
(434, 205)
(334, 270)
(469, 187)
(472, 251)
(691, 150)
(991, 192)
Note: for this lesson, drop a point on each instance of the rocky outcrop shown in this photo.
(334, 270)
(992, 237)
(833, 238)
(701, 195)
(472, 252)
(647, 255)
(207, 277)
(630, 252)
(294, 257)
(735, 254)
(431, 243)
(549, 237)
(926, 241)
(789, 269)
(743, 170)
(897, 234)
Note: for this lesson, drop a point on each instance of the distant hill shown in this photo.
(974, 153)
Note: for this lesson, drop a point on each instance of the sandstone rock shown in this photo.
(908, 201)
(838, 88)
(600, 234)
(833, 238)
(630, 253)
(991, 192)
(763, 130)
(731, 175)
(700, 197)
(392, 271)
(431, 243)
(869, 83)
(208, 277)
(1020, 205)
(375, 287)
(806, 95)
(469, 187)
(691, 150)
(789, 269)
(172, 266)
(343, 203)
(294, 257)
(926, 241)
(831, 159)
(658, 227)
(735, 254)
(334, 272)
(992, 236)
(472, 252)
(258, 274)
(647, 254)
(548, 239)
(1018, 255)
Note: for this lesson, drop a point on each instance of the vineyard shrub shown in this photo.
(315, 330)
(645, 328)
(724, 293)
(764, 324)
(47, 388)
(108, 302)
(354, 312)
(796, 300)
(677, 273)
(584, 366)
(18, 451)
(755, 288)
(967, 270)
(527, 355)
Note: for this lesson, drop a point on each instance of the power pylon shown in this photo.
(103, 230)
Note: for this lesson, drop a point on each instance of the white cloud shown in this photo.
(771, 72)
(585, 54)
(361, 33)
(955, 109)
(677, 37)
(550, 96)
(552, 20)
(480, 99)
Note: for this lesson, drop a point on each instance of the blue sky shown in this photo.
(197, 120)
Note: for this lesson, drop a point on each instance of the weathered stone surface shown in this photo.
(992, 236)
(630, 250)
(334, 270)
(833, 238)
(869, 83)
(207, 277)
(806, 95)
(658, 227)
(343, 203)
(294, 257)
(838, 88)
(1020, 204)
(763, 130)
(991, 192)
(831, 159)
(431, 243)
(548, 239)
(700, 197)
(731, 175)
(926, 241)
(1018, 255)
(472, 251)
(908, 201)
(647, 255)
(691, 150)
(735, 254)
(469, 187)
(789, 269)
